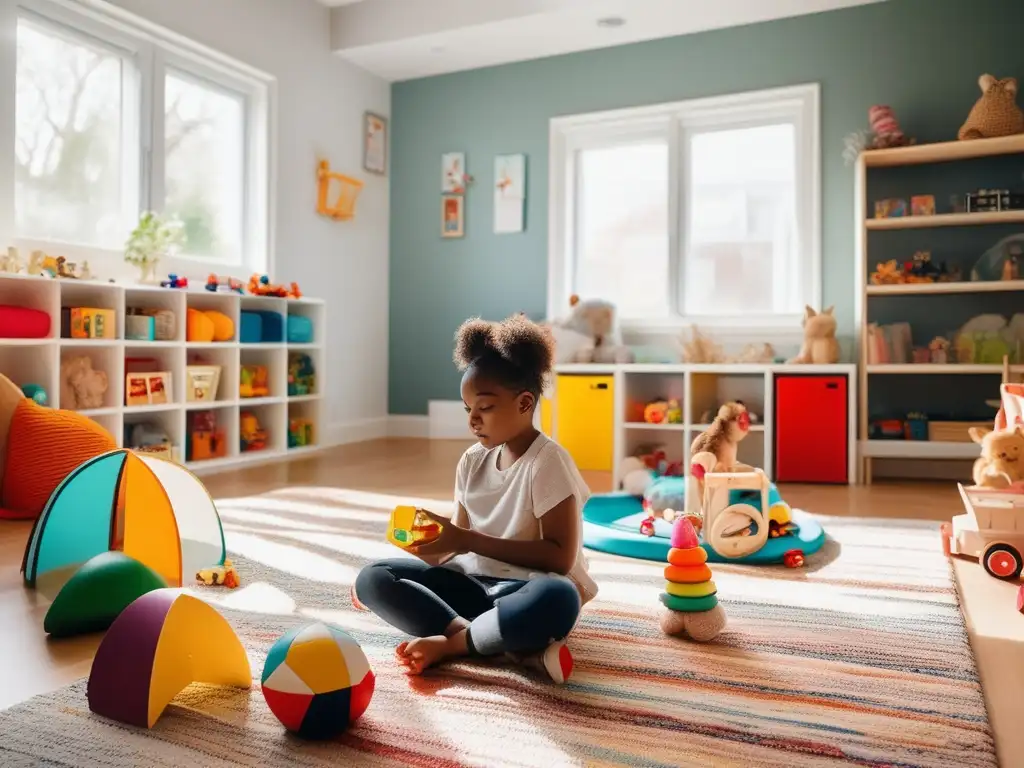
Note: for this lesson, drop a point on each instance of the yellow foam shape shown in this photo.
(695, 556)
(196, 645)
(701, 589)
(198, 326)
(780, 513)
(223, 326)
(150, 529)
(319, 664)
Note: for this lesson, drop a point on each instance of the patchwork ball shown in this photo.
(317, 681)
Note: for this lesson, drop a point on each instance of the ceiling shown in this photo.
(406, 39)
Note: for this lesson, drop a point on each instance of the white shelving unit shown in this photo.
(701, 388)
(38, 361)
(925, 154)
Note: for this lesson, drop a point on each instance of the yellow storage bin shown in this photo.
(585, 416)
(547, 416)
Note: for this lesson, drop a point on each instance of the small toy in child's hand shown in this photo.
(221, 575)
(409, 527)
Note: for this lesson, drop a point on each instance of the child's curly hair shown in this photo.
(517, 353)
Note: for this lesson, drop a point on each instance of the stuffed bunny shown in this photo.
(595, 319)
(996, 113)
(820, 346)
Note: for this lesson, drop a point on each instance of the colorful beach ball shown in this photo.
(317, 681)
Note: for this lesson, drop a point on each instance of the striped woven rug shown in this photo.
(861, 658)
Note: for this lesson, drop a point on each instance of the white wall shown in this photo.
(320, 103)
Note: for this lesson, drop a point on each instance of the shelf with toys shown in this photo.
(209, 377)
(940, 310)
(611, 416)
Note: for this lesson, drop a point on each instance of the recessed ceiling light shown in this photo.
(611, 21)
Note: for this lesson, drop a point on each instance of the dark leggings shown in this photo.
(505, 615)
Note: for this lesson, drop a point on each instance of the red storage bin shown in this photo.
(811, 428)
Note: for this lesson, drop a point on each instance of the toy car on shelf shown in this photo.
(991, 530)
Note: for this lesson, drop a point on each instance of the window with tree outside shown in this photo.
(702, 212)
(109, 125)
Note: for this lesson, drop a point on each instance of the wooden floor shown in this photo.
(425, 469)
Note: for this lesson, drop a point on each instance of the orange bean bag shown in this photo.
(39, 447)
(198, 326)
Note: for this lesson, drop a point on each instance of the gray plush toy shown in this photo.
(595, 318)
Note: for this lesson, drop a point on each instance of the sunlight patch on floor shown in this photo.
(258, 597)
(343, 543)
(291, 507)
(364, 499)
(256, 517)
(294, 560)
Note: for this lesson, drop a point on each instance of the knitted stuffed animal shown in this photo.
(820, 346)
(996, 113)
(595, 319)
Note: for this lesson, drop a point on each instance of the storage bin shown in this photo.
(811, 429)
(585, 419)
(300, 330)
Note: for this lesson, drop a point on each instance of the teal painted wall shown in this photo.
(921, 56)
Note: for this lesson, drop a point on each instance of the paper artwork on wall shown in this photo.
(452, 216)
(453, 173)
(509, 193)
(375, 143)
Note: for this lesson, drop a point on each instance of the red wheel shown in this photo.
(793, 559)
(1003, 562)
(647, 527)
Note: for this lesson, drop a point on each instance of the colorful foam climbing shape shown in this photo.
(159, 644)
(688, 584)
(317, 681)
(98, 593)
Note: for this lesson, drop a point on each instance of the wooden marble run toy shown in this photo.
(727, 523)
(343, 206)
(408, 527)
(992, 527)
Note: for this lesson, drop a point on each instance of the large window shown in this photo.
(112, 121)
(700, 212)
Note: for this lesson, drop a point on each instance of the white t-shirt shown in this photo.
(511, 504)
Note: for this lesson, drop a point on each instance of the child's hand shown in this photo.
(452, 540)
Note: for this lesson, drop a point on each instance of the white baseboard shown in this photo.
(356, 431)
(445, 420)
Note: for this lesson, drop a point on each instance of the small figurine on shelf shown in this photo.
(252, 436)
(922, 205)
(216, 284)
(939, 349)
(11, 262)
(173, 281)
(674, 413)
(887, 273)
(656, 412)
(253, 381)
(260, 285)
(300, 433)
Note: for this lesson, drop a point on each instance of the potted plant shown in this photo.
(152, 239)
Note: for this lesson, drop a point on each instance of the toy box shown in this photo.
(140, 327)
(299, 329)
(891, 209)
(90, 323)
(201, 382)
(206, 439)
(253, 381)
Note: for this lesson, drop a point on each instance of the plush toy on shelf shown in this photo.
(82, 387)
(996, 112)
(593, 322)
(820, 346)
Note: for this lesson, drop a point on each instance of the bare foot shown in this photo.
(419, 655)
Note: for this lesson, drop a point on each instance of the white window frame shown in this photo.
(674, 122)
(155, 50)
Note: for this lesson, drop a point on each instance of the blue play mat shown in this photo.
(611, 523)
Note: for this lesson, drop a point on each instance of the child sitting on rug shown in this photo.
(507, 573)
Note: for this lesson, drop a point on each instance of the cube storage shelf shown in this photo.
(38, 361)
(615, 395)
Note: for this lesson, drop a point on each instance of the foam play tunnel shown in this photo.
(151, 509)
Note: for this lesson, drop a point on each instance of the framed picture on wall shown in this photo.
(509, 193)
(452, 216)
(375, 143)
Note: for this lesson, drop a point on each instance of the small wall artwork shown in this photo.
(452, 216)
(375, 143)
(453, 173)
(509, 193)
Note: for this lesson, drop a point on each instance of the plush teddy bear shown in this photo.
(594, 319)
(820, 346)
(81, 386)
(996, 113)
(999, 465)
